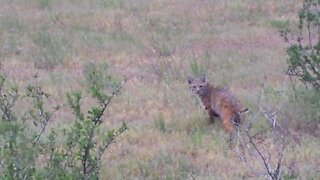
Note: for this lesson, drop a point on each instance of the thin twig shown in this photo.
(308, 23)
(260, 154)
(46, 121)
(105, 104)
(103, 150)
(277, 171)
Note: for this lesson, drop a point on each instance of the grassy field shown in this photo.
(157, 44)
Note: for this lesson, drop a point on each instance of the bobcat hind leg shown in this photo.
(227, 118)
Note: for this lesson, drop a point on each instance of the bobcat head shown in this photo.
(198, 85)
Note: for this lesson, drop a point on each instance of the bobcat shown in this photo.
(219, 102)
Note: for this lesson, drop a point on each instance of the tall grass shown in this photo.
(53, 47)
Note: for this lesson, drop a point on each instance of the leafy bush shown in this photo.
(18, 153)
(304, 54)
(27, 153)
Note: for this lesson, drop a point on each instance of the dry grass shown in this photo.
(153, 43)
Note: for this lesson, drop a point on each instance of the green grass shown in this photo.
(157, 44)
(44, 3)
(53, 47)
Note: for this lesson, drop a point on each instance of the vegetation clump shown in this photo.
(29, 149)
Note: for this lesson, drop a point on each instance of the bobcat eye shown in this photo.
(200, 86)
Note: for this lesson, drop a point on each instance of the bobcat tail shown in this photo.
(244, 110)
(237, 119)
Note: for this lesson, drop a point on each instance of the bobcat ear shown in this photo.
(190, 79)
(203, 78)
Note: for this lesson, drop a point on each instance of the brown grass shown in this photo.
(153, 43)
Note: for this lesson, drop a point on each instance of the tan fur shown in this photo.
(219, 102)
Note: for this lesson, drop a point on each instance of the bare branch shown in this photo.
(264, 160)
(254, 151)
(277, 171)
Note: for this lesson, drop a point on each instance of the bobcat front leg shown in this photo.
(212, 114)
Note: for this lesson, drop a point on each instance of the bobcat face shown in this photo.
(198, 86)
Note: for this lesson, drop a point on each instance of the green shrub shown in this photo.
(304, 54)
(24, 143)
(17, 153)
